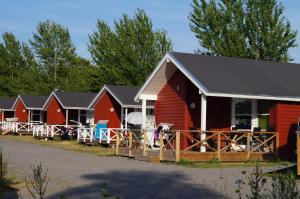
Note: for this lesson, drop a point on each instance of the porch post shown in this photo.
(232, 113)
(29, 115)
(126, 118)
(41, 116)
(67, 116)
(144, 105)
(254, 118)
(2, 116)
(203, 120)
(79, 112)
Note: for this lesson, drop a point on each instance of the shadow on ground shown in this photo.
(140, 184)
(9, 193)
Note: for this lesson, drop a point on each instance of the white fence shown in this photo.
(38, 129)
(101, 135)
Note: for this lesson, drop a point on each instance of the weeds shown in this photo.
(38, 182)
(283, 186)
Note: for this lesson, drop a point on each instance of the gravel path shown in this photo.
(81, 175)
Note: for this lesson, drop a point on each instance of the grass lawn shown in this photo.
(187, 163)
(66, 144)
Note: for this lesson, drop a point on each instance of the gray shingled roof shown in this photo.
(125, 94)
(7, 104)
(75, 99)
(34, 101)
(242, 76)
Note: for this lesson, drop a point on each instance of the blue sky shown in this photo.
(80, 16)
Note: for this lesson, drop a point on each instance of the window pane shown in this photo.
(264, 122)
(243, 107)
(263, 106)
(243, 122)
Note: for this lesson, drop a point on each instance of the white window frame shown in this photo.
(253, 114)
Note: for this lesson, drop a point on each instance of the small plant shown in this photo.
(284, 187)
(215, 160)
(256, 183)
(38, 182)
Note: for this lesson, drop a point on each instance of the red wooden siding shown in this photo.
(1, 116)
(53, 115)
(21, 112)
(103, 111)
(173, 106)
(170, 105)
(174, 101)
(283, 118)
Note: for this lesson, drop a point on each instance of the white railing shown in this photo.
(85, 133)
(38, 129)
(9, 126)
(108, 135)
(53, 130)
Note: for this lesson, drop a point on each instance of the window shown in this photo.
(263, 108)
(243, 114)
(35, 117)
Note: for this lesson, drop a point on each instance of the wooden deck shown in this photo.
(261, 146)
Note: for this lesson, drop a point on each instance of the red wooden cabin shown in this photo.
(113, 103)
(202, 92)
(65, 108)
(6, 108)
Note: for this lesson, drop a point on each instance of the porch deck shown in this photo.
(231, 146)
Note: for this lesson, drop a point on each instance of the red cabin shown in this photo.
(208, 93)
(114, 103)
(6, 108)
(65, 108)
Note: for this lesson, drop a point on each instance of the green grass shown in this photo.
(66, 144)
(215, 164)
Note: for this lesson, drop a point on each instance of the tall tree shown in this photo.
(243, 28)
(54, 50)
(129, 52)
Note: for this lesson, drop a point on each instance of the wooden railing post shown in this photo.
(277, 145)
(177, 147)
(248, 145)
(219, 147)
(117, 143)
(130, 144)
(145, 143)
(161, 146)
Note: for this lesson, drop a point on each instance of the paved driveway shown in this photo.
(81, 175)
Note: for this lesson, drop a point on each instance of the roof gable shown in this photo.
(34, 102)
(233, 77)
(124, 95)
(7, 104)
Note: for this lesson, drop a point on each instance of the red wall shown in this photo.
(170, 104)
(21, 112)
(283, 118)
(53, 116)
(173, 106)
(102, 111)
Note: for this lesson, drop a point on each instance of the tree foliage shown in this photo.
(127, 53)
(243, 28)
(54, 50)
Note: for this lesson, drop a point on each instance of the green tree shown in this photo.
(16, 59)
(129, 52)
(54, 50)
(243, 28)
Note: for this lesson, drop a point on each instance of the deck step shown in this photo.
(153, 159)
